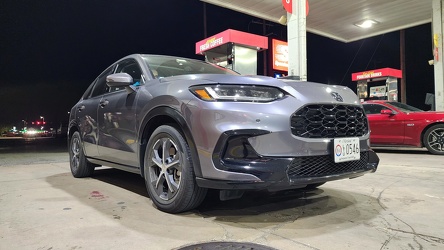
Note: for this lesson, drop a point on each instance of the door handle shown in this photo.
(103, 103)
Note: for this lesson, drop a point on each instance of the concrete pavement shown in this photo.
(399, 207)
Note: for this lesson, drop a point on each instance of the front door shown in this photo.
(117, 128)
(117, 120)
(386, 129)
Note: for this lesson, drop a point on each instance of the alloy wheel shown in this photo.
(75, 154)
(165, 172)
(435, 139)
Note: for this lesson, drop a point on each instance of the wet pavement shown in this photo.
(43, 207)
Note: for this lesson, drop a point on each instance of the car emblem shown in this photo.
(337, 96)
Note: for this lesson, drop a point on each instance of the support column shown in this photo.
(297, 44)
(402, 60)
(437, 32)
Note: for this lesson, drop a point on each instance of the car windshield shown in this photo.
(165, 66)
(404, 107)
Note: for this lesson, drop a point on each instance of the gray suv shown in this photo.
(186, 126)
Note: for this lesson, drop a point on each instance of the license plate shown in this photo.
(346, 149)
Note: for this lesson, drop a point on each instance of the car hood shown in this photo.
(303, 91)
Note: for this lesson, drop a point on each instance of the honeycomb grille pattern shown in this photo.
(317, 166)
(329, 121)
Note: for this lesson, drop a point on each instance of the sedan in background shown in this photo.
(399, 124)
(186, 126)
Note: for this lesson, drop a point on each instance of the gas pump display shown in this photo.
(362, 89)
(392, 89)
(379, 84)
(378, 91)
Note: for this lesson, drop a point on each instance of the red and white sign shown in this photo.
(280, 55)
(232, 36)
(376, 73)
(288, 6)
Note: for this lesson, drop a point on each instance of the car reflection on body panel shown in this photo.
(398, 124)
(186, 126)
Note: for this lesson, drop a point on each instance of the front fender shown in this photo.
(166, 115)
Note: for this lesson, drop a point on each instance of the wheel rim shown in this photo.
(436, 139)
(165, 169)
(75, 154)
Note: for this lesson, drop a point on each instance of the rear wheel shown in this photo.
(80, 166)
(434, 139)
(169, 174)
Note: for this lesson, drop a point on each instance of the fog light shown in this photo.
(239, 148)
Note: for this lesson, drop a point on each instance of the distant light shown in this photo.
(366, 24)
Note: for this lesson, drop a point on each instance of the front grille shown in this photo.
(329, 121)
(324, 165)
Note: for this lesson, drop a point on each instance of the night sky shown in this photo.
(50, 51)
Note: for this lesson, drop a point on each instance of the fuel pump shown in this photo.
(378, 84)
(233, 49)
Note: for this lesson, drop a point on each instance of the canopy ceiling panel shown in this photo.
(336, 19)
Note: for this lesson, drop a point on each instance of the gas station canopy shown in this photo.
(337, 19)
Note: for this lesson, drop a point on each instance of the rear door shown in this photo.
(86, 113)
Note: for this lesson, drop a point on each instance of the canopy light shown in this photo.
(366, 24)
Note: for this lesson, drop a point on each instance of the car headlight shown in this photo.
(240, 93)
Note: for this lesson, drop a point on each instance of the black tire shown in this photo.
(434, 139)
(80, 166)
(170, 180)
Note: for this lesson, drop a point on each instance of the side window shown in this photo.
(372, 109)
(100, 87)
(131, 67)
(87, 93)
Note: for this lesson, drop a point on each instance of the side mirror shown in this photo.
(387, 112)
(119, 80)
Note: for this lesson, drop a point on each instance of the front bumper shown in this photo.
(263, 152)
(277, 174)
(235, 154)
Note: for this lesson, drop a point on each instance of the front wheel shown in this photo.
(434, 139)
(169, 173)
(80, 166)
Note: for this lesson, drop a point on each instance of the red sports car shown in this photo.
(398, 124)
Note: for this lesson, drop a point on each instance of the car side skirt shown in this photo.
(128, 168)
